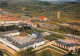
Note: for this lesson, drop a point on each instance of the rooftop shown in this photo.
(24, 41)
(8, 32)
(72, 36)
(64, 42)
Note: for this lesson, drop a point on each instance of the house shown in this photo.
(33, 25)
(24, 21)
(64, 25)
(42, 18)
(4, 19)
(46, 33)
(75, 25)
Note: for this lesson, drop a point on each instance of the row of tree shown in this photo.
(13, 27)
(72, 54)
(1, 53)
(69, 30)
(54, 37)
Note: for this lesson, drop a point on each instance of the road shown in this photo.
(4, 47)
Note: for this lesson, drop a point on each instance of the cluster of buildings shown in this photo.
(34, 25)
(21, 40)
(40, 18)
(4, 19)
(7, 20)
(75, 25)
(71, 42)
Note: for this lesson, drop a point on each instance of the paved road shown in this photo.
(7, 48)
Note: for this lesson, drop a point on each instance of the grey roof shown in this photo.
(39, 35)
(22, 24)
(24, 43)
(7, 32)
(72, 36)
(64, 42)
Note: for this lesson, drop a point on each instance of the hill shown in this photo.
(69, 11)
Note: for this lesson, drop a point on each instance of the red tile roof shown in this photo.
(41, 17)
(8, 18)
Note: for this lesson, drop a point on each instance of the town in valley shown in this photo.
(39, 28)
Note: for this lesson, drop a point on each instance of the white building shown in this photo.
(21, 42)
(10, 33)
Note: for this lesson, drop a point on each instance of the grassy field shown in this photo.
(30, 31)
(52, 52)
(54, 37)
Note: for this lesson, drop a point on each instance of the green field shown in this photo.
(52, 52)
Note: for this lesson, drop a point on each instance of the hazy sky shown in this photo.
(58, 0)
(40, 0)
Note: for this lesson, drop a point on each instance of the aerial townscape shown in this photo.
(39, 28)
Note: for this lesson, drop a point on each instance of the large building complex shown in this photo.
(20, 40)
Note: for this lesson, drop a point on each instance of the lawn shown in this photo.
(54, 37)
(34, 30)
(52, 52)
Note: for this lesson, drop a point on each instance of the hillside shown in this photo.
(69, 11)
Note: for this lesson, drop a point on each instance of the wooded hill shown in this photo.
(69, 11)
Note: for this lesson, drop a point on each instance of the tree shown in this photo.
(23, 53)
(4, 3)
(69, 54)
(46, 53)
(1, 53)
(27, 52)
(78, 52)
(31, 52)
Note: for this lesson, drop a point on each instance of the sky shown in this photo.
(41, 0)
(61, 0)
(58, 0)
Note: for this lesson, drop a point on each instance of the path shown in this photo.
(4, 47)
